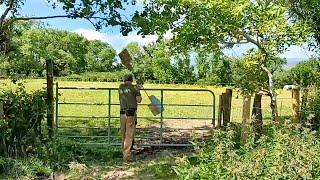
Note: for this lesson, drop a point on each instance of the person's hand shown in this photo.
(140, 84)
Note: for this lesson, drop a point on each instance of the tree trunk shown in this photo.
(273, 95)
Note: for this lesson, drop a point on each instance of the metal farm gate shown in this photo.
(91, 116)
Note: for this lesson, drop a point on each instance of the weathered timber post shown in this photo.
(224, 109)
(229, 101)
(1, 110)
(50, 108)
(304, 98)
(245, 117)
(296, 105)
(220, 112)
(3, 146)
(257, 113)
(226, 99)
(295, 90)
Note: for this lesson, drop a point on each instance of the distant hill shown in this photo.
(291, 62)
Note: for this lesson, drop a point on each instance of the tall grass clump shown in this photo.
(283, 152)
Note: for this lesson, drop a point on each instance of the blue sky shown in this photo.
(113, 36)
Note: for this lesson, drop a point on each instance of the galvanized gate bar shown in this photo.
(109, 116)
(117, 104)
(142, 117)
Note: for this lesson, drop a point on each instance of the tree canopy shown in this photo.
(70, 52)
(99, 13)
(309, 12)
(215, 25)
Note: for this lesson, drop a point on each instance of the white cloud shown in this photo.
(116, 40)
(90, 34)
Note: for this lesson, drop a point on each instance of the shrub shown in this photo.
(311, 108)
(21, 125)
(97, 76)
(284, 152)
(55, 155)
(60, 152)
(23, 168)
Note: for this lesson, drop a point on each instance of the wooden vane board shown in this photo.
(126, 59)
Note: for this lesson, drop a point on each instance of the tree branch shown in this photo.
(250, 39)
(229, 44)
(39, 18)
(4, 15)
(54, 17)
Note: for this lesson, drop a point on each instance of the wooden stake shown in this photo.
(3, 146)
(296, 105)
(245, 117)
(227, 99)
(220, 111)
(1, 110)
(224, 109)
(50, 110)
(257, 112)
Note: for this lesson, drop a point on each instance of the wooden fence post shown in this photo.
(3, 146)
(220, 112)
(257, 113)
(50, 110)
(1, 110)
(296, 105)
(245, 117)
(227, 99)
(224, 109)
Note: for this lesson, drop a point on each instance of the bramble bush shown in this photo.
(286, 151)
(21, 124)
(56, 155)
(97, 76)
(310, 112)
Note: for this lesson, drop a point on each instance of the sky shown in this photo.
(113, 36)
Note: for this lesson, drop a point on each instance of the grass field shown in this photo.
(98, 126)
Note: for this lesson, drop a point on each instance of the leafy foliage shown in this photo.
(310, 110)
(99, 13)
(304, 74)
(308, 11)
(216, 25)
(56, 155)
(97, 76)
(21, 126)
(71, 53)
(284, 152)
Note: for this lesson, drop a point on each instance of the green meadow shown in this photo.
(88, 113)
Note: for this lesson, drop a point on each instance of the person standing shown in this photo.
(129, 96)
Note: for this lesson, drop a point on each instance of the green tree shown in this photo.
(100, 57)
(309, 12)
(215, 25)
(153, 62)
(304, 74)
(214, 68)
(184, 71)
(99, 13)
